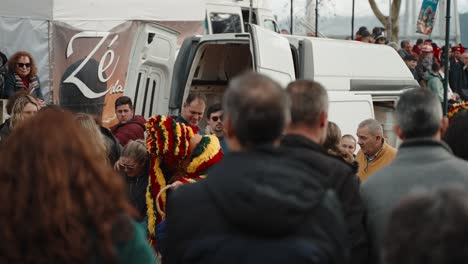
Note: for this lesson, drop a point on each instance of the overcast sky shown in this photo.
(343, 7)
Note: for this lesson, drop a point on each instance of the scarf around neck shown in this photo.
(33, 84)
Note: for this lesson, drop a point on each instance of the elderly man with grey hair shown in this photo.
(423, 160)
(375, 153)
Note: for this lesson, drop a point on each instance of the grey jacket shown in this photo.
(419, 163)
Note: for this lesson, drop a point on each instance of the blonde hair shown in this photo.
(17, 111)
(136, 150)
(91, 128)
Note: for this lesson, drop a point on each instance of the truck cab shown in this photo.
(232, 16)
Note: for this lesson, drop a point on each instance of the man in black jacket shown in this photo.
(304, 136)
(257, 205)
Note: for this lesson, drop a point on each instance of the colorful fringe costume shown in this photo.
(168, 142)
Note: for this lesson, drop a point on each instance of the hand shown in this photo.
(117, 165)
(41, 103)
(176, 185)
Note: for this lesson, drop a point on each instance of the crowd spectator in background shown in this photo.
(366, 37)
(417, 47)
(456, 74)
(348, 143)
(130, 126)
(22, 75)
(437, 52)
(428, 227)
(405, 48)
(134, 166)
(375, 153)
(66, 204)
(25, 106)
(215, 124)
(411, 61)
(9, 107)
(462, 89)
(434, 81)
(425, 61)
(422, 160)
(359, 33)
(456, 133)
(380, 39)
(3, 73)
(332, 144)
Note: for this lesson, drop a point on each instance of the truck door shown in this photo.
(272, 55)
(150, 69)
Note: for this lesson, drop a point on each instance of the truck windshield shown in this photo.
(271, 25)
(225, 23)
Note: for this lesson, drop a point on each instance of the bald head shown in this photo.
(256, 109)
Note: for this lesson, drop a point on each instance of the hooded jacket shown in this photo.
(256, 207)
(132, 130)
(434, 83)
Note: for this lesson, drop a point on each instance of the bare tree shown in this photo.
(393, 19)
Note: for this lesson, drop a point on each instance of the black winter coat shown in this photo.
(335, 174)
(256, 207)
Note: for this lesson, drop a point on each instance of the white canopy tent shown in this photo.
(27, 25)
(65, 10)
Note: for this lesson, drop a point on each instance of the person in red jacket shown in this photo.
(130, 126)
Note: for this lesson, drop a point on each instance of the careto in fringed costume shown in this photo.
(168, 142)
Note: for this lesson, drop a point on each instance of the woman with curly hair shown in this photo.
(61, 202)
(22, 75)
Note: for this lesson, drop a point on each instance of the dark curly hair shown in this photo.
(14, 59)
(61, 202)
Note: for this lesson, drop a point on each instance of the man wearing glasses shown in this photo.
(215, 124)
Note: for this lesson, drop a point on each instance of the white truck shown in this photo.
(90, 52)
(363, 80)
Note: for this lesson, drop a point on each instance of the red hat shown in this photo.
(458, 48)
(427, 48)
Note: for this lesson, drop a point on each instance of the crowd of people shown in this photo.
(425, 59)
(270, 179)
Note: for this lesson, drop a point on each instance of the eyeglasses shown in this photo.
(129, 167)
(216, 118)
(21, 65)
